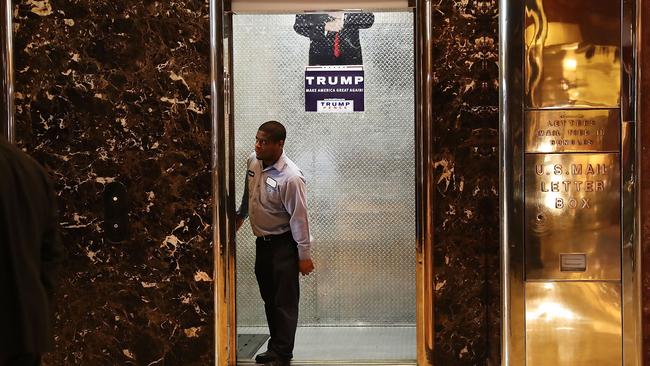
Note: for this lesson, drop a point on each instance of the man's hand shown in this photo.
(239, 221)
(334, 26)
(306, 266)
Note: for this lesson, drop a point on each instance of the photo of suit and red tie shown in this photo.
(334, 37)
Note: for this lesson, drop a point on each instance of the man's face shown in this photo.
(266, 148)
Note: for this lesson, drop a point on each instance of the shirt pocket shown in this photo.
(272, 193)
(271, 199)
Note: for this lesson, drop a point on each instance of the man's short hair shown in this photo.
(275, 130)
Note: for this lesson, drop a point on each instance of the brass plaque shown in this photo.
(573, 323)
(572, 206)
(578, 130)
(572, 53)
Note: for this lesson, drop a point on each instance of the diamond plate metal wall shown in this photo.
(359, 169)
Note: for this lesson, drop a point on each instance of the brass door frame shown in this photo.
(511, 194)
(223, 183)
(424, 191)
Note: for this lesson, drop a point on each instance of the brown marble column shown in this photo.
(119, 91)
(466, 244)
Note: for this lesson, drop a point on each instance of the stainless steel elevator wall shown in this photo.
(359, 167)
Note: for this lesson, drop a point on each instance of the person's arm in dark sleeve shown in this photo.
(306, 25)
(359, 20)
(52, 251)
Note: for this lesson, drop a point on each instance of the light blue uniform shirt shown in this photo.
(274, 198)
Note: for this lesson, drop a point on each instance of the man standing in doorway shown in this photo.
(274, 198)
(30, 256)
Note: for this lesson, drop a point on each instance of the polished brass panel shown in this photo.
(229, 120)
(572, 206)
(631, 155)
(631, 256)
(579, 55)
(629, 60)
(583, 130)
(222, 222)
(424, 183)
(511, 196)
(572, 53)
(573, 323)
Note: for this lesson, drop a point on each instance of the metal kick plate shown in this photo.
(572, 206)
(586, 130)
(573, 323)
(572, 53)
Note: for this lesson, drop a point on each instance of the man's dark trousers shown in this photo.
(276, 269)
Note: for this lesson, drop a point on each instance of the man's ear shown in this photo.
(281, 143)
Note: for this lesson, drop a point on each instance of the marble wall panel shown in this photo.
(119, 91)
(466, 253)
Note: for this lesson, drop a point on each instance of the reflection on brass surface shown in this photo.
(581, 130)
(572, 206)
(631, 151)
(572, 53)
(425, 317)
(573, 323)
(510, 183)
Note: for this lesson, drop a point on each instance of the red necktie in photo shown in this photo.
(337, 50)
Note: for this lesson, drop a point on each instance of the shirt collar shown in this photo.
(278, 165)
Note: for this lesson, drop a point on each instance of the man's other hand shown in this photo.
(306, 266)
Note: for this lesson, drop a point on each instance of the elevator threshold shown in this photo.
(342, 363)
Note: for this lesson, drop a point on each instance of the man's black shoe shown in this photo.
(279, 362)
(265, 357)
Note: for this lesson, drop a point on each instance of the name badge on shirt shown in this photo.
(271, 182)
